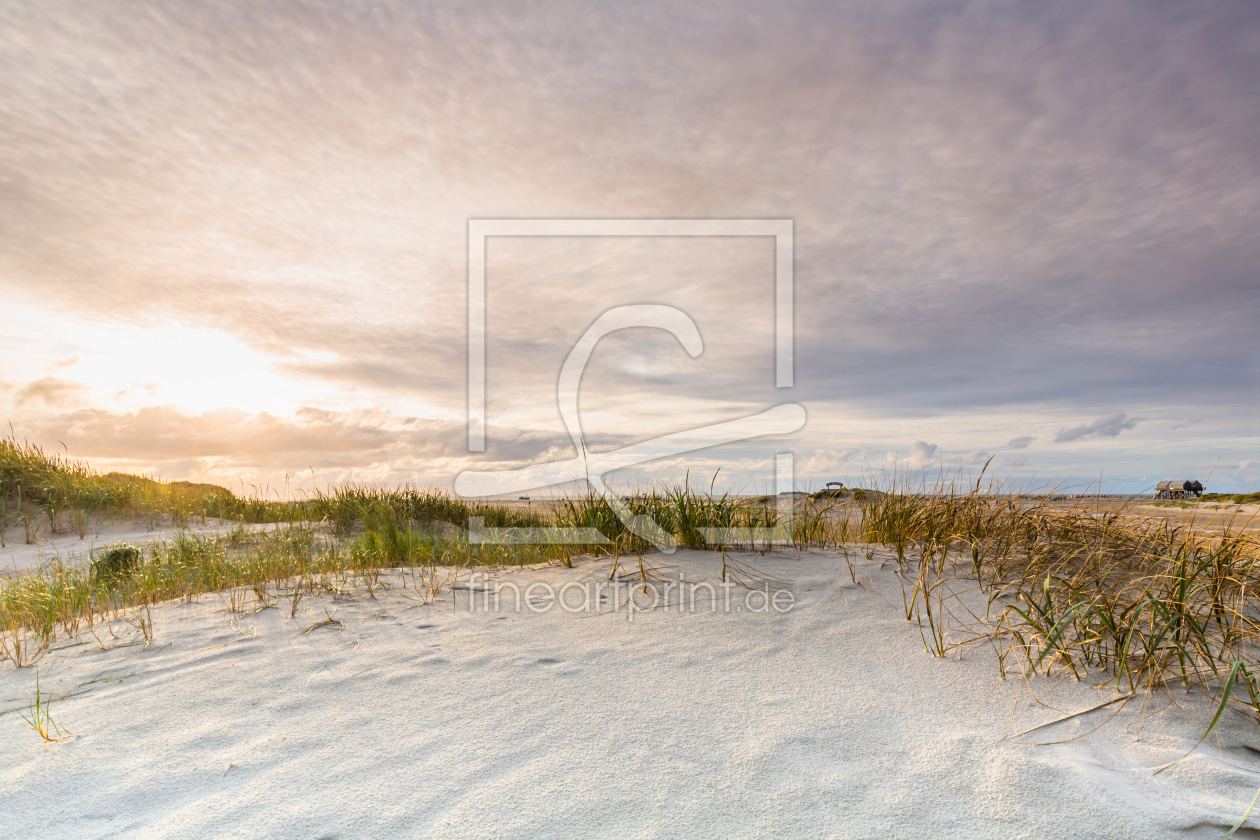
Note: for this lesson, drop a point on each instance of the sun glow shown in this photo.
(125, 367)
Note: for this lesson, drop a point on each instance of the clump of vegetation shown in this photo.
(1081, 589)
(681, 516)
(41, 488)
(115, 561)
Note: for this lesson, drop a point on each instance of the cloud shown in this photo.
(359, 443)
(1104, 427)
(923, 451)
(50, 391)
(921, 455)
(163, 433)
(828, 463)
(976, 457)
(1020, 442)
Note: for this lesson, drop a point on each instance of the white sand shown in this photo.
(67, 546)
(412, 720)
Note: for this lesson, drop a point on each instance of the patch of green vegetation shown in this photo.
(115, 561)
(857, 494)
(1235, 498)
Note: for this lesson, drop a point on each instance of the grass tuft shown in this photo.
(38, 717)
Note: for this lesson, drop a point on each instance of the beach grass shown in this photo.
(1077, 589)
(38, 716)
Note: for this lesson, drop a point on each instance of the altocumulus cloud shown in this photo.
(1104, 427)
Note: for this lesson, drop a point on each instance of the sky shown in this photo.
(234, 248)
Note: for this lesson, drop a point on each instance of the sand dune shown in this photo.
(451, 719)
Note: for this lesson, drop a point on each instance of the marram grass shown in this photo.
(1070, 589)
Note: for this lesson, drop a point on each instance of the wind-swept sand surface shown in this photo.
(437, 720)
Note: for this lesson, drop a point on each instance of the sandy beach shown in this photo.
(816, 715)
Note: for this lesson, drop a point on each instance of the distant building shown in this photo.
(1178, 489)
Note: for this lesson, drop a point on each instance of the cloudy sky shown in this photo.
(233, 236)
